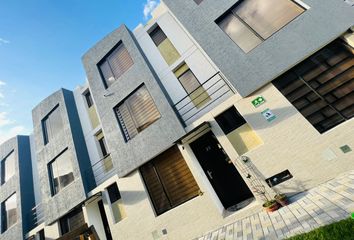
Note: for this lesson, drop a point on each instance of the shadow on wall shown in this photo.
(258, 121)
(133, 197)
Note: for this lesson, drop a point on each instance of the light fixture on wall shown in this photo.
(108, 94)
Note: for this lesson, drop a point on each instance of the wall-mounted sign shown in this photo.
(345, 149)
(258, 101)
(268, 115)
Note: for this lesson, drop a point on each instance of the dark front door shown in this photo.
(222, 174)
(107, 230)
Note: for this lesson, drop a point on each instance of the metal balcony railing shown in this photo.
(212, 92)
(36, 216)
(100, 171)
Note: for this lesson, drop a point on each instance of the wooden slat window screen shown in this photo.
(322, 86)
(115, 64)
(169, 180)
(136, 113)
(158, 36)
(192, 86)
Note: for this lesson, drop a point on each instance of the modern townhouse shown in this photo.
(184, 122)
(263, 94)
(63, 166)
(16, 190)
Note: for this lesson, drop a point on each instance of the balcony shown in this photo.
(210, 94)
(100, 170)
(36, 216)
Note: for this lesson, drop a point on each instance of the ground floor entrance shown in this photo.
(220, 171)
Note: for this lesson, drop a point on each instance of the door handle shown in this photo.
(210, 174)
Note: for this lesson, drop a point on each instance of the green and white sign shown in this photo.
(258, 101)
(268, 115)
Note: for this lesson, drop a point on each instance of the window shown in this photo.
(105, 157)
(115, 64)
(8, 167)
(252, 21)
(61, 172)
(8, 212)
(136, 113)
(116, 202)
(165, 46)
(88, 99)
(192, 86)
(102, 143)
(241, 135)
(52, 124)
(72, 221)
(169, 180)
(322, 86)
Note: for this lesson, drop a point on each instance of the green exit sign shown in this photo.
(258, 101)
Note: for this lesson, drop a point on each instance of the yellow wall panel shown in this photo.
(168, 51)
(244, 139)
(93, 117)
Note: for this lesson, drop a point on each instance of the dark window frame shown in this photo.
(3, 167)
(105, 59)
(65, 224)
(126, 139)
(51, 175)
(232, 12)
(4, 219)
(189, 70)
(88, 98)
(114, 193)
(45, 126)
(320, 102)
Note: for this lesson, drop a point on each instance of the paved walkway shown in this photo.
(327, 203)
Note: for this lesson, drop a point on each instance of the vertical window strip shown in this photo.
(158, 36)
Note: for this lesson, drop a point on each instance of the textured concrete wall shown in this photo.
(21, 184)
(324, 21)
(69, 137)
(127, 156)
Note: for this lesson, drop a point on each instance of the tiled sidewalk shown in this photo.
(327, 203)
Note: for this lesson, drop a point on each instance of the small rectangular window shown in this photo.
(8, 212)
(136, 113)
(322, 86)
(8, 167)
(240, 134)
(116, 202)
(115, 64)
(169, 180)
(88, 98)
(252, 21)
(105, 158)
(192, 86)
(165, 46)
(52, 124)
(61, 172)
